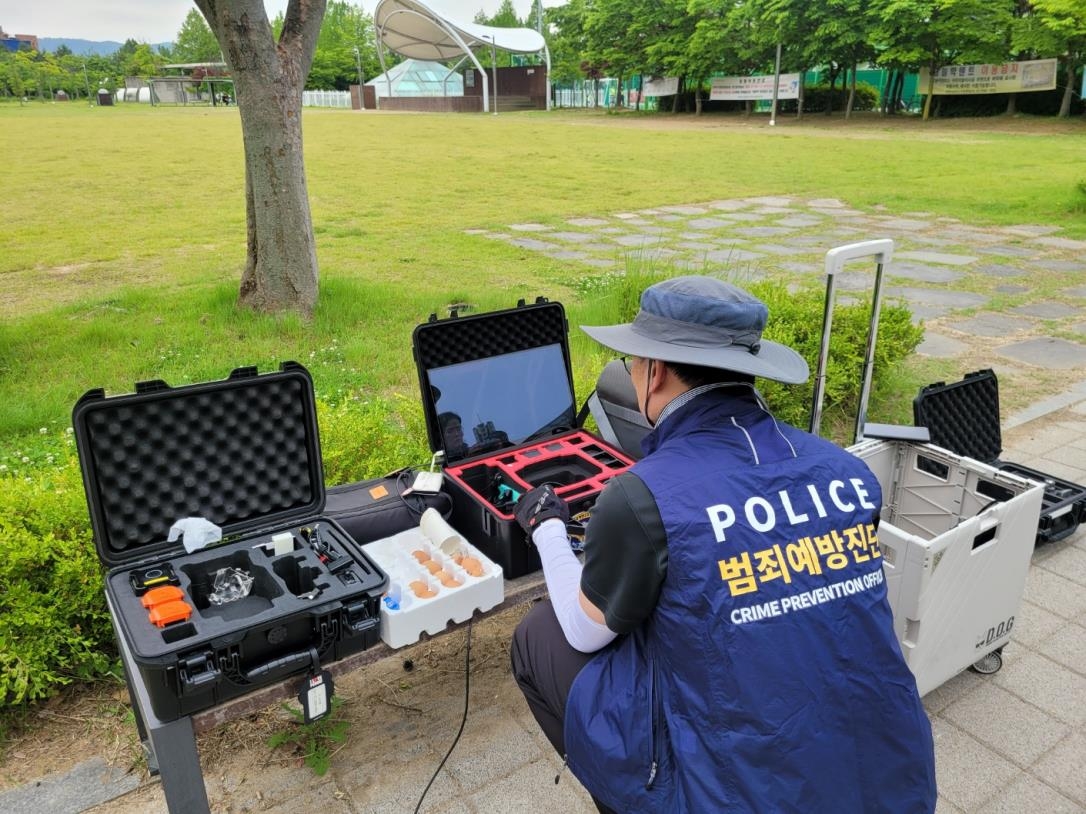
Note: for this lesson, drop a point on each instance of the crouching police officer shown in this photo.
(727, 645)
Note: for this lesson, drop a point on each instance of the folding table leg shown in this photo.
(170, 745)
(174, 747)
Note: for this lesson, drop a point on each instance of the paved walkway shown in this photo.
(1011, 742)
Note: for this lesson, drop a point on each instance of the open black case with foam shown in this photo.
(506, 376)
(244, 453)
(963, 417)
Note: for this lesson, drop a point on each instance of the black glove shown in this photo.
(538, 505)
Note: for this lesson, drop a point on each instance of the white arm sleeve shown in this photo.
(562, 572)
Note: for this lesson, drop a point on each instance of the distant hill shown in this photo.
(85, 47)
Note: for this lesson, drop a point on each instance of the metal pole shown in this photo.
(539, 16)
(361, 81)
(86, 80)
(776, 87)
(494, 69)
(869, 354)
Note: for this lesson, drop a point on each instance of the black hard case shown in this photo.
(577, 462)
(963, 417)
(245, 454)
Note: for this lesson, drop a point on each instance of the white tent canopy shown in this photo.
(422, 30)
(417, 77)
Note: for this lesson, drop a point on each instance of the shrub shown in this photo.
(795, 320)
(816, 98)
(54, 628)
(1078, 197)
(367, 439)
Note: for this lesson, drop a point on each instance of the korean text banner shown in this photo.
(1008, 77)
(661, 86)
(754, 87)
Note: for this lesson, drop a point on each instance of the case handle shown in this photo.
(288, 663)
(882, 250)
(151, 386)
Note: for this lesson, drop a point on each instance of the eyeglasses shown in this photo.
(626, 363)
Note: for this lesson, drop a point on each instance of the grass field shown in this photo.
(123, 237)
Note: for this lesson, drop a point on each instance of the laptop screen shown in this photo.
(499, 401)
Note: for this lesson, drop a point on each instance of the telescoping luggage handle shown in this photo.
(882, 250)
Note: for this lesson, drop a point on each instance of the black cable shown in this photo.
(419, 498)
(463, 720)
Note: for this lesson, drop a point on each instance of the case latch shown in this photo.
(197, 672)
(358, 616)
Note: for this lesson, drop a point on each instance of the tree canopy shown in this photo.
(695, 39)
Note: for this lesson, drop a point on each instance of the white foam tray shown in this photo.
(405, 616)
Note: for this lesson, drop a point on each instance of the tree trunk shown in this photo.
(834, 71)
(618, 93)
(799, 99)
(899, 88)
(851, 93)
(281, 260)
(932, 68)
(1068, 91)
(889, 106)
(281, 266)
(697, 99)
(678, 96)
(1012, 104)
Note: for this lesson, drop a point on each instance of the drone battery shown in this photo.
(167, 613)
(161, 595)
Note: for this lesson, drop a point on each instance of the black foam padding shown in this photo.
(451, 341)
(963, 417)
(238, 452)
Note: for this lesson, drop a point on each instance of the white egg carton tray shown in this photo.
(407, 608)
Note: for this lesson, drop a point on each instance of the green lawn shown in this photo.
(123, 236)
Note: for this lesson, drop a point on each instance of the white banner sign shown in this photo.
(1008, 77)
(754, 87)
(661, 86)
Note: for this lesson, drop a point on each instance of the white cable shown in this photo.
(562, 573)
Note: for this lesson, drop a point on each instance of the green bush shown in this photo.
(367, 439)
(1078, 197)
(795, 320)
(54, 628)
(816, 98)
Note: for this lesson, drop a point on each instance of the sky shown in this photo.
(156, 21)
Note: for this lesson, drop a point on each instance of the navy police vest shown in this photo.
(768, 679)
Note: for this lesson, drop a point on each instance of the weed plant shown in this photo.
(313, 742)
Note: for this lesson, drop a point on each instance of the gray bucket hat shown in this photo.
(703, 321)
